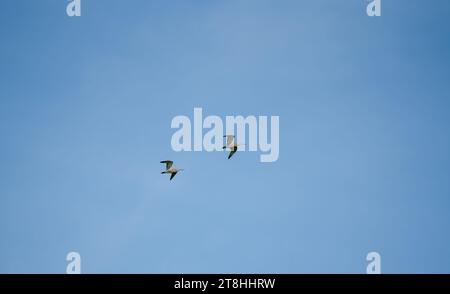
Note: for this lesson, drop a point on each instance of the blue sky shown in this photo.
(85, 110)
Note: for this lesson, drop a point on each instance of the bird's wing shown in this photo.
(172, 175)
(231, 153)
(168, 163)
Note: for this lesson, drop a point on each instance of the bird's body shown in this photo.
(170, 169)
(233, 146)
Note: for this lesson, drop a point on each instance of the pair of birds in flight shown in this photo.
(170, 169)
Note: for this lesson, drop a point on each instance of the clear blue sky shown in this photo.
(85, 110)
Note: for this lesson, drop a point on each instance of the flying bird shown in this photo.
(170, 169)
(231, 144)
